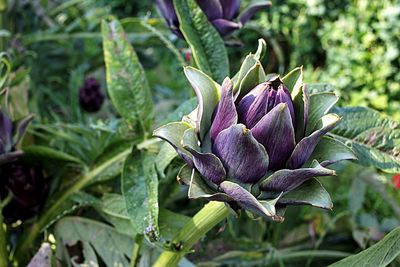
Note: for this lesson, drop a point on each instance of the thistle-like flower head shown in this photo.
(221, 13)
(91, 97)
(257, 140)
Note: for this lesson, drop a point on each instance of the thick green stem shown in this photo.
(3, 244)
(29, 237)
(208, 217)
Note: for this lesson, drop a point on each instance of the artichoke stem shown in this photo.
(3, 244)
(204, 220)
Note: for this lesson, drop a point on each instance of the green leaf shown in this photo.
(208, 94)
(126, 80)
(294, 81)
(249, 63)
(140, 190)
(115, 210)
(96, 238)
(253, 77)
(185, 108)
(320, 104)
(44, 152)
(173, 133)
(309, 193)
(379, 255)
(198, 188)
(374, 140)
(207, 46)
(330, 150)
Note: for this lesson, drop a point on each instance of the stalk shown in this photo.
(208, 217)
(29, 237)
(3, 244)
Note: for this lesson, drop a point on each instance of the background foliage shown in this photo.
(52, 46)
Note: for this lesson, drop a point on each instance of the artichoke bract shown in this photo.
(257, 141)
(221, 13)
(11, 133)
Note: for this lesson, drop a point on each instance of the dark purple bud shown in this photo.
(252, 10)
(253, 106)
(261, 100)
(275, 132)
(167, 10)
(283, 96)
(28, 187)
(242, 156)
(91, 97)
(212, 9)
(230, 8)
(221, 13)
(226, 114)
(225, 27)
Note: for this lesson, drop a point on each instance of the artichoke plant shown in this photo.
(28, 187)
(91, 97)
(257, 141)
(221, 13)
(10, 135)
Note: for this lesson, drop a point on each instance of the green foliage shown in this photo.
(381, 254)
(126, 81)
(139, 187)
(374, 140)
(207, 46)
(97, 240)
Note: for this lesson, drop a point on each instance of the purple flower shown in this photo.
(221, 13)
(257, 140)
(91, 97)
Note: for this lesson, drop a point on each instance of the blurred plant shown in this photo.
(91, 97)
(396, 181)
(28, 187)
(10, 135)
(221, 13)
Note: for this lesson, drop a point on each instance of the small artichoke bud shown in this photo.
(221, 13)
(256, 149)
(28, 188)
(91, 97)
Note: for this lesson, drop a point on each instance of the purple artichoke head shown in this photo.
(221, 13)
(28, 187)
(257, 140)
(91, 97)
(11, 133)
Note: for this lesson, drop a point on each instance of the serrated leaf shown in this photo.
(207, 46)
(140, 190)
(374, 140)
(112, 247)
(379, 255)
(126, 80)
